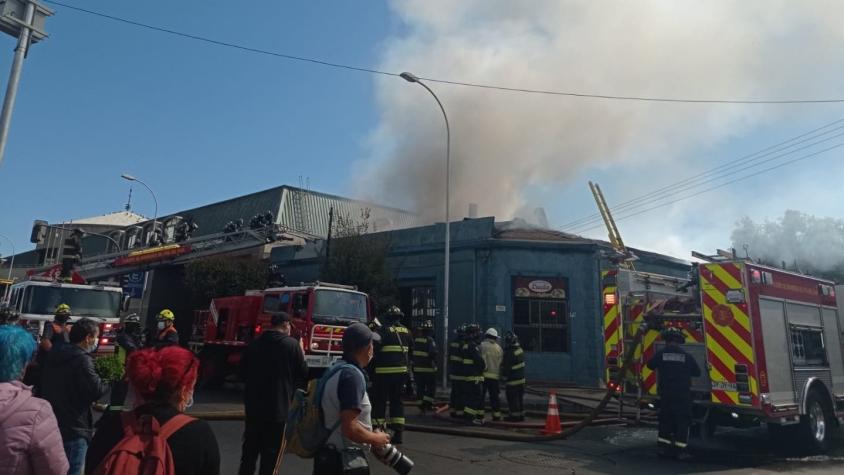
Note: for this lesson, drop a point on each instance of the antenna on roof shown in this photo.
(129, 201)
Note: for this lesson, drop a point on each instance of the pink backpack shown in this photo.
(143, 449)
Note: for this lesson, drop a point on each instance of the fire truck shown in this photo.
(37, 298)
(768, 342)
(320, 312)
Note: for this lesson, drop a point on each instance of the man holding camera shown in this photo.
(345, 399)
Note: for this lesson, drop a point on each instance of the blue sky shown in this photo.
(200, 123)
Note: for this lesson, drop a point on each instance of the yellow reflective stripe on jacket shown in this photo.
(421, 340)
(475, 379)
(391, 370)
(456, 359)
(491, 376)
(517, 382)
(518, 352)
(420, 353)
(392, 349)
(399, 330)
(518, 366)
(455, 377)
(467, 361)
(424, 370)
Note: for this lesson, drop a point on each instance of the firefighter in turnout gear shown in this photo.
(473, 368)
(457, 398)
(675, 369)
(425, 365)
(391, 373)
(513, 375)
(167, 334)
(492, 355)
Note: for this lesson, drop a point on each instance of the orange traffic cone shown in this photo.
(552, 420)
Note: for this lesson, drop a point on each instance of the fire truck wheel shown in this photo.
(815, 425)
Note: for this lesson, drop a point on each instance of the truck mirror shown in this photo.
(127, 299)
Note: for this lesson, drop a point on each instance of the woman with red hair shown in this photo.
(163, 381)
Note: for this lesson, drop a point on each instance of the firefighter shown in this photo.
(391, 373)
(425, 365)
(128, 341)
(457, 397)
(56, 334)
(492, 354)
(167, 334)
(513, 375)
(8, 316)
(675, 369)
(473, 368)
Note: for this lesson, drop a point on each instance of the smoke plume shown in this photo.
(801, 241)
(506, 144)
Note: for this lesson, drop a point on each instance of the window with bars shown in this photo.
(541, 319)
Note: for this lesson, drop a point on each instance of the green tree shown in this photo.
(357, 257)
(222, 277)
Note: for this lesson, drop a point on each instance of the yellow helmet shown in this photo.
(63, 309)
(166, 314)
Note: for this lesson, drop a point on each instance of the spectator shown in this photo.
(29, 437)
(345, 399)
(273, 366)
(163, 381)
(71, 385)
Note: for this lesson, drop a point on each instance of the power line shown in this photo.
(718, 177)
(436, 80)
(746, 177)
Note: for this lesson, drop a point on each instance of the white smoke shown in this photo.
(799, 240)
(504, 143)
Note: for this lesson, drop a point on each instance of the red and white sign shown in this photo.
(540, 286)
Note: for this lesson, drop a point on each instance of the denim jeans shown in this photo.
(75, 449)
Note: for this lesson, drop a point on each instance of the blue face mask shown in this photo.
(93, 347)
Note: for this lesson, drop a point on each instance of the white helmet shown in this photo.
(492, 332)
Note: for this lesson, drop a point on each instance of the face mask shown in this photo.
(93, 347)
(161, 325)
(190, 402)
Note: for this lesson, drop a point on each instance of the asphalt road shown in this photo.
(620, 450)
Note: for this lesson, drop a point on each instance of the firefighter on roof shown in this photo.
(513, 375)
(391, 373)
(675, 369)
(167, 334)
(425, 365)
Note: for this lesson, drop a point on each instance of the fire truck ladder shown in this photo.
(612, 229)
(103, 266)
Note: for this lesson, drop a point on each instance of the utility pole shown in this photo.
(23, 19)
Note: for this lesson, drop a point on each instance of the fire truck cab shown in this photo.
(36, 300)
(768, 342)
(320, 312)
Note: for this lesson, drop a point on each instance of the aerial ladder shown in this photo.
(627, 257)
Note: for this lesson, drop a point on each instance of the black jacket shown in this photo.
(194, 446)
(71, 385)
(674, 369)
(272, 367)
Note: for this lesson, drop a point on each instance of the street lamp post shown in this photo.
(409, 77)
(129, 177)
(11, 263)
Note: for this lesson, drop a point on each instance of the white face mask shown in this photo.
(190, 401)
(161, 325)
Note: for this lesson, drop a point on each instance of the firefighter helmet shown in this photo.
(473, 330)
(394, 312)
(132, 318)
(166, 314)
(8, 315)
(672, 334)
(511, 339)
(492, 333)
(63, 309)
(426, 325)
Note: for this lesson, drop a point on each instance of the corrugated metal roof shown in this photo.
(118, 218)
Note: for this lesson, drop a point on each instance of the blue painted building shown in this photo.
(542, 284)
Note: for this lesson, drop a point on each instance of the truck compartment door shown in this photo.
(777, 351)
(832, 335)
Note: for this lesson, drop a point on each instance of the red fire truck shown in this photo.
(320, 312)
(769, 342)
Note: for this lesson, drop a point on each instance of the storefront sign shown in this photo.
(544, 288)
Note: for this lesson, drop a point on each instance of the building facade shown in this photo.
(541, 284)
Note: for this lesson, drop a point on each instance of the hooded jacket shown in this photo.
(71, 386)
(273, 367)
(30, 443)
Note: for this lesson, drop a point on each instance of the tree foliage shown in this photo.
(223, 277)
(356, 257)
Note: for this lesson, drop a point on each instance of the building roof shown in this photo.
(520, 230)
(118, 218)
